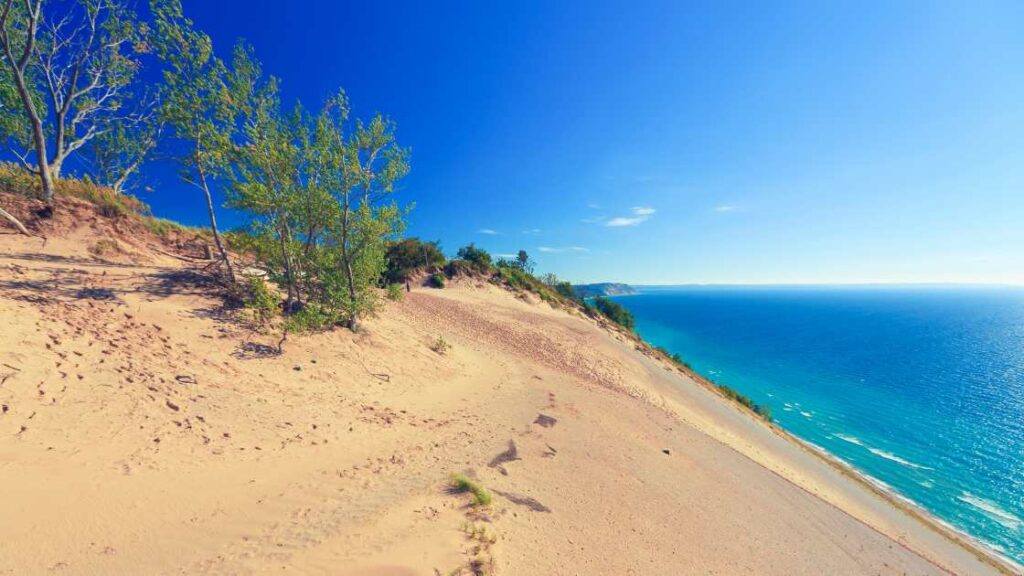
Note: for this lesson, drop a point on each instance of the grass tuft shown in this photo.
(461, 483)
(441, 346)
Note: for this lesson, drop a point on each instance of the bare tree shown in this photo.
(72, 72)
(86, 64)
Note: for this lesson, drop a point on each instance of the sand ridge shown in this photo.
(147, 430)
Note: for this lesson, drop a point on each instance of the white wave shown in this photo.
(927, 483)
(881, 453)
(806, 414)
(896, 459)
(850, 439)
(992, 510)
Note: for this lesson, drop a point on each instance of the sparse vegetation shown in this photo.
(735, 396)
(480, 532)
(462, 483)
(437, 280)
(440, 346)
(105, 247)
(395, 292)
(674, 358)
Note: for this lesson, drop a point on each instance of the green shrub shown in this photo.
(478, 257)
(675, 358)
(395, 292)
(481, 497)
(410, 254)
(615, 312)
(738, 397)
(437, 280)
(260, 299)
(565, 290)
(312, 318)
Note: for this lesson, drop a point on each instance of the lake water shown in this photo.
(921, 388)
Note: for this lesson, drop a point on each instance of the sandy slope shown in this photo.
(144, 432)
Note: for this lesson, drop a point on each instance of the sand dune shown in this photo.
(144, 431)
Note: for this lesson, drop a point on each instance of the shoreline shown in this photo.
(976, 545)
(983, 550)
(972, 544)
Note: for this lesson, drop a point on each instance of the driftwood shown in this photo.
(21, 227)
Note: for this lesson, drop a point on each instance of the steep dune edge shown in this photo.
(144, 430)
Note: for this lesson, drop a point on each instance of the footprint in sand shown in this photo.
(510, 455)
(545, 421)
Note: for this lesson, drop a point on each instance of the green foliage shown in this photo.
(261, 300)
(395, 292)
(196, 103)
(477, 257)
(524, 262)
(310, 318)
(762, 411)
(437, 280)
(675, 358)
(461, 483)
(411, 254)
(615, 312)
(565, 290)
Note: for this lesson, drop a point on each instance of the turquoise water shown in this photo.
(920, 388)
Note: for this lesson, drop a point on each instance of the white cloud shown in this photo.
(640, 215)
(725, 208)
(624, 221)
(559, 250)
(509, 256)
(488, 231)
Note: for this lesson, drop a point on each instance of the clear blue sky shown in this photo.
(679, 142)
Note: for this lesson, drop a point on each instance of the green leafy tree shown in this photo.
(410, 254)
(264, 172)
(359, 164)
(478, 257)
(615, 312)
(523, 262)
(197, 106)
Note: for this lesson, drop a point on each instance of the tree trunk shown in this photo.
(18, 67)
(213, 225)
(7, 216)
(38, 140)
(55, 169)
(353, 321)
(289, 274)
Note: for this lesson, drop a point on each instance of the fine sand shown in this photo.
(144, 430)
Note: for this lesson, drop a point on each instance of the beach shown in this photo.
(145, 431)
